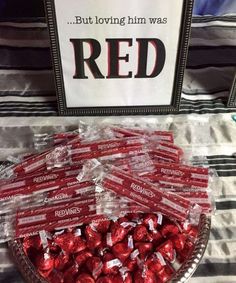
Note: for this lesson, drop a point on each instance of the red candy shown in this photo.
(104, 235)
(167, 250)
(140, 233)
(79, 245)
(84, 277)
(31, 242)
(114, 252)
(66, 242)
(82, 257)
(144, 249)
(103, 226)
(165, 274)
(94, 265)
(70, 273)
(45, 262)
(179, 241)
(151, 221)
(118, 233)
(121, 251)
(155, 237)
(169, 229)
(105, 279)
(61, 261)
(127, 278)
(183, 254)
(56, 277)
(154, 264)
(131, 264)
(111, 264)
(93, 238)
(44, 273)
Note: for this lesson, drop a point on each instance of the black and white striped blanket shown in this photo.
(27, 92)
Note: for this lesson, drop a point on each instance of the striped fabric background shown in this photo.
(26, 79)
(27, 92)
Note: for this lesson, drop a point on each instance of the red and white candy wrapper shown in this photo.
(35, 163)
(145, 193)
(151, 134)
(41, 177)
(202, 197)
(37, 188)
(166, 181)
(100, 145)
(45, 140)
(183, 171)
(110, 154)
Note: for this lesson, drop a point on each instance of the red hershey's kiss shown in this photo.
(103, 226)
(94, 265)
(61, 261)
(151, 221)
(131, 264)
(56, 277)
(169, 229)
(140, 233)
(66, 242)
(154, 264)
(31, 242)
(85, 278)
(167, 250)
(155, 237)
(105, 279)
(165, 274)
(127, 278)
(82, 257)
(121, 251)
(70, 274)
(111, 264)
(79, 245)
(45, 273)
(93, 238)
(118, 233)
(45, 262)
(183, 254)
(179, 241)
(144, 249)
(190, 230)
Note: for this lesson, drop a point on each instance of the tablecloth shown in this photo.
(203, 124)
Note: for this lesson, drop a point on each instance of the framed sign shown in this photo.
(118, 57)
(232, 96)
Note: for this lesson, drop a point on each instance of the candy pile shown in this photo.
(104, 204)
(135, 248)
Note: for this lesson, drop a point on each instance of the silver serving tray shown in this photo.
(185, 272)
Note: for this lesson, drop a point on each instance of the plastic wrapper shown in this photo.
(145, 193)
(191, 182)
(43, 141)
(47, 192)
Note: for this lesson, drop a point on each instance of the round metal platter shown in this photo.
(182, 275)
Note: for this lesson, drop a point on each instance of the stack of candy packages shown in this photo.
(105, 204)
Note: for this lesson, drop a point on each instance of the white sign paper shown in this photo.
(118, 52)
